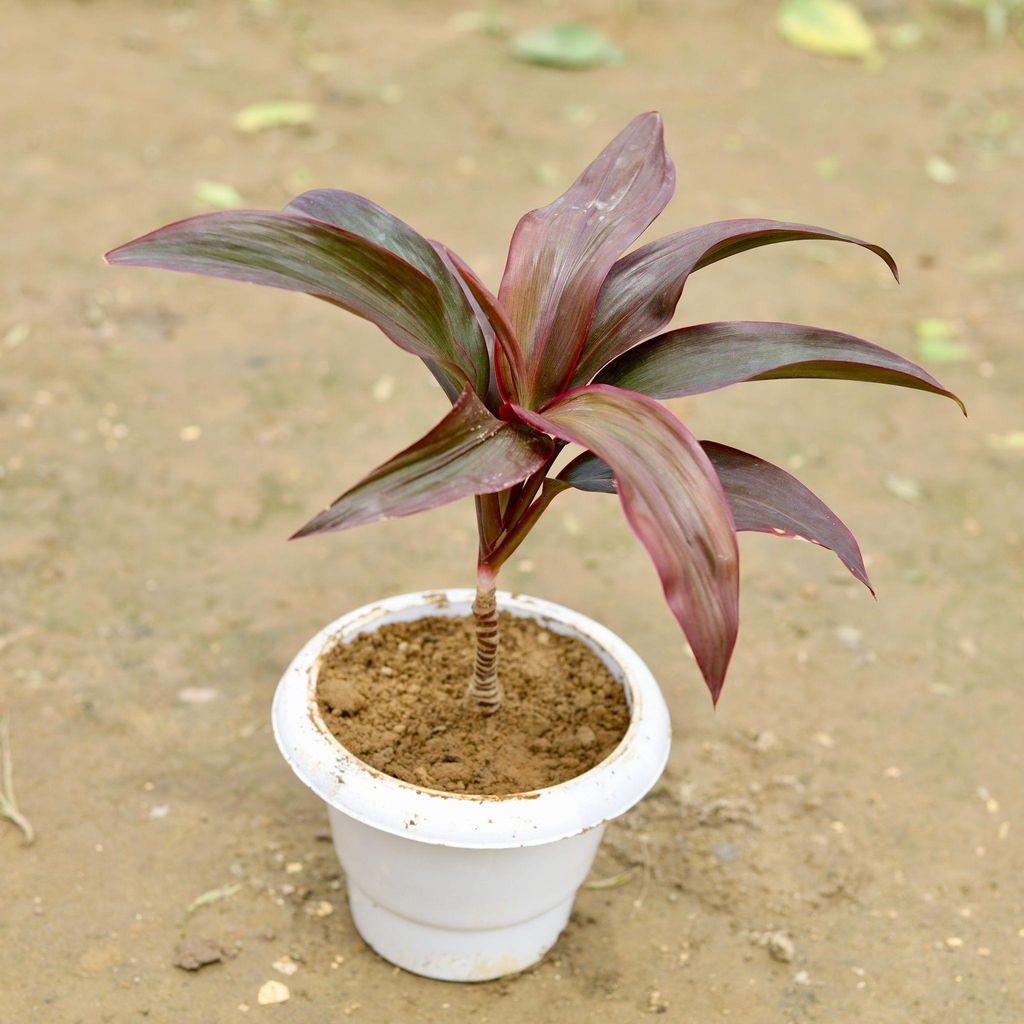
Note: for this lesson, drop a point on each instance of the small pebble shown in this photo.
(285, 965)
(272, 992)
(190, 433)
(781, 947)
(197, 695)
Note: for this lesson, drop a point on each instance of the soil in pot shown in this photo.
(396, 699)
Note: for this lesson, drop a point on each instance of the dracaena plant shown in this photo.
(571, 351)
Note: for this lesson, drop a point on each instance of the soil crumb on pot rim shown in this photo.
(395, 698)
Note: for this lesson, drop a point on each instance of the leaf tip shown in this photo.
(113, 256)
(308, 529)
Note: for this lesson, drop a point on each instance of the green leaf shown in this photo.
(612, 882)
(561, 254)
(832, 28)
(468, 452)
(294, 252)
(569, 44)
(218, 195)
(212, 896)
(673, 501)
(935, 342)
(275, 114)
(705, 357)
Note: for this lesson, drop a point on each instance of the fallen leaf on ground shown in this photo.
(217, 194)
(935, 341)
(1012, 440)
(613, 882)
(904, 487)
(212, 896)
(276, 114)
(570, 44)
(831, 28)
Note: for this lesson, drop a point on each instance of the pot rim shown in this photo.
(472, 821)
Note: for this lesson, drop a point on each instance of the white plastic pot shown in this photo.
(453, 886)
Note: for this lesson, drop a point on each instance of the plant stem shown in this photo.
(518, 530)
(484, 689)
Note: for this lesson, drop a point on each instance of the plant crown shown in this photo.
(572, 350)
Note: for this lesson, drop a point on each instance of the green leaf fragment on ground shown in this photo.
(569, 44)
(827, 168)
(212, 896)
(1012, 440)
(219, 195)
(614, 882)
(831, 28)
(275, 114)
(935, 342)
(903, 487)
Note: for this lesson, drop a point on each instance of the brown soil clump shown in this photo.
(396, 699)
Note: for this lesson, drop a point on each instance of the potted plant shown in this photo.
(461, 881)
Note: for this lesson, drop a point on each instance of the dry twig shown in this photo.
(8, 804)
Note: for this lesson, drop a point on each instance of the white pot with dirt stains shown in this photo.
(455, 886)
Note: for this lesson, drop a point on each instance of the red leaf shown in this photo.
(297, 253)
(468, 452)
(560, 254)
(640, 293)
(705, 357)
(767, 499)
(674, 503)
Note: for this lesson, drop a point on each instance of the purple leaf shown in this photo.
(365, 218)
(589, 473)
(295, 252)
(705, 357)
(762, 498)
(767, 499)
(509, 367)
(640, 294)
(468, 452)
(674, 503)
(560, 254)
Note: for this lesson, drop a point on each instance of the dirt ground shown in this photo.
(859, 788)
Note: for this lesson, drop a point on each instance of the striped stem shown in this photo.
(485, 690)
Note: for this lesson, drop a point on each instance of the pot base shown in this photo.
(455, 954)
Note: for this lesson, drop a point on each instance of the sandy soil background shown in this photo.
(859, 787)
